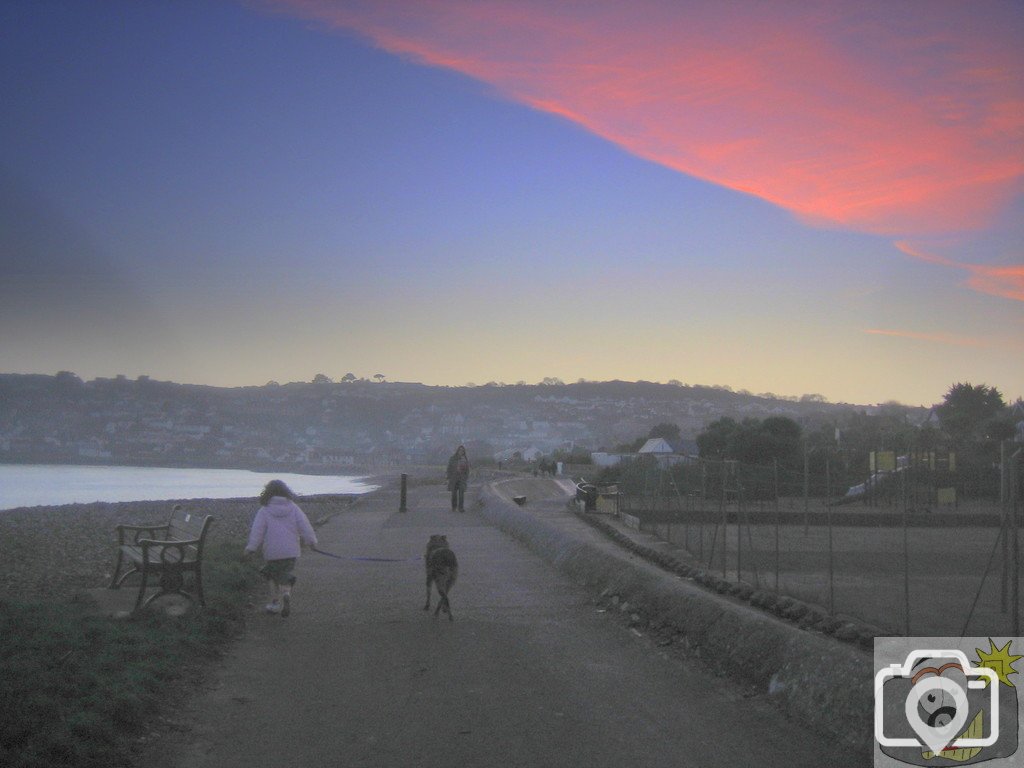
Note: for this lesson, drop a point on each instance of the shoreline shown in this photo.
(50, 553)
(37, 485)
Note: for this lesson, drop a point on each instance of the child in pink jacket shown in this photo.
(278, 529)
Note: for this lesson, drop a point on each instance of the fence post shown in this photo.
(1012, 491)
(725, 523)
(1003, 498)
(739, 527)
(703, 508)
(831, 555)
(906, 558)
(776, 471)
(807, 482)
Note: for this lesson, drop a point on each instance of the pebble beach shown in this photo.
(51, 553)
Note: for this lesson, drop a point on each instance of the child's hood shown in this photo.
(279, 506)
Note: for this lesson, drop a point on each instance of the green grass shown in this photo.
(77, 690)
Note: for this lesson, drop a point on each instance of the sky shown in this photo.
(779, 197)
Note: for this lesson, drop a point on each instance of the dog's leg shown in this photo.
(427, 606)
(443, 604)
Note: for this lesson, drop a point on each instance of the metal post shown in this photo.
(807, 482)
(906, 559)
(831, 556)
(1013, 490)
(1003, 496)
(776, 467)
(401, 503)
(703, 509)
(1016, 578)
(739, 530)
(725, 523)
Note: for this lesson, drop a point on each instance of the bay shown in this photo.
(29, 485)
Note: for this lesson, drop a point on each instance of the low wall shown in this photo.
(818, 680)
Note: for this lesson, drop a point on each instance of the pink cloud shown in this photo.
(885, 118)
(1004, 281)
(940, 338)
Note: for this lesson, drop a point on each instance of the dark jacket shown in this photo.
(458, 471)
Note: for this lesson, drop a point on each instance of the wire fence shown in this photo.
(901, 549)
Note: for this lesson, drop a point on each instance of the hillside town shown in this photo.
(351, 424)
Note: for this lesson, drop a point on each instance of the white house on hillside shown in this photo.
(662, 450)
(658, 446)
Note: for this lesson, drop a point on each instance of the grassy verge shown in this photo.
(80, 690)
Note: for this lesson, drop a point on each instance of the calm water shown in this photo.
(35, 484)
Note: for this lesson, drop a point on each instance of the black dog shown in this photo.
(442, 570)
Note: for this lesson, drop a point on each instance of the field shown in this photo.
(942, 574)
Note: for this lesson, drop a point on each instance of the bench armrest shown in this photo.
(138, 530)
(168, 542)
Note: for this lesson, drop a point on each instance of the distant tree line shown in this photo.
(971, 423)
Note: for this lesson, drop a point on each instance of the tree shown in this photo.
(715, 440)
(669, 432)
(752, 441)
(321, 378)
(348, 378)
(779, 439)
(379, 377)
(970, 414)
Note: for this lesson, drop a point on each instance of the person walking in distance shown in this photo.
(279, 529)
(458, 478)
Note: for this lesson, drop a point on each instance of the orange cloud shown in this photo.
(940, 338)
(886, 118)
(1005, 281)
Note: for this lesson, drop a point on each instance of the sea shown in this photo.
(29, 485)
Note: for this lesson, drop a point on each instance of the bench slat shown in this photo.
(173, 554)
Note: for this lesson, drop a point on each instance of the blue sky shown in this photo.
(229, 193)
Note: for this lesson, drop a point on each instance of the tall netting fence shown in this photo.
(900, 542)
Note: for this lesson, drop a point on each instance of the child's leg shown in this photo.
(286, 593)
(286, 599)
(273, 597)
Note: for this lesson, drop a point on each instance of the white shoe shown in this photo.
(272, 608)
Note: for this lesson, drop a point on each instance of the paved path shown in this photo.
(528, 674)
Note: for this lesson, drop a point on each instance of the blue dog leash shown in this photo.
(366, 559)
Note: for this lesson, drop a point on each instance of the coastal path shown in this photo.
(530, 673)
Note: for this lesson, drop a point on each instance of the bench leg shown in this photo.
(142, 590)
(117, 584)
(199, 585)
(172, 582)
(114, 583)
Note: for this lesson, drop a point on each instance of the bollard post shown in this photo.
(401, 503)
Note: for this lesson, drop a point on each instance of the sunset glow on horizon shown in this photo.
(771, 196)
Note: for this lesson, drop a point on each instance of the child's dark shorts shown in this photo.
(279, 571)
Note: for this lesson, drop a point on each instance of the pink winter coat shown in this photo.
(278, 527)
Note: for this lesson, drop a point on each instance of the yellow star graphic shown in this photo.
(999, 660)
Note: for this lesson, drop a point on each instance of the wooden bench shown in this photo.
(168, 551)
